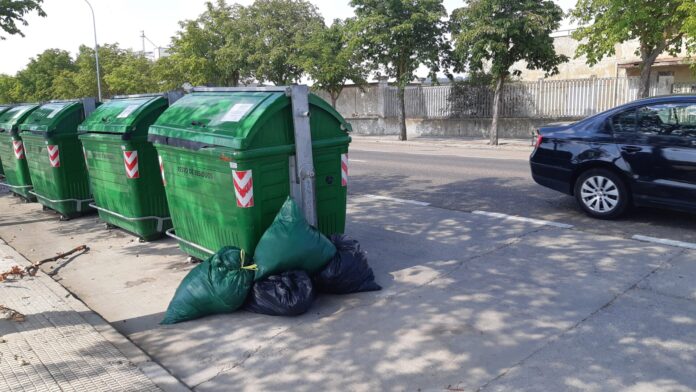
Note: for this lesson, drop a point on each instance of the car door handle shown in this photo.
(631, 149)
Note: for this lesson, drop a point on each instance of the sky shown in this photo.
(69, 24)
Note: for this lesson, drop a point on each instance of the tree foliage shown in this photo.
(207, 51)
(54, 74)
(689, 27)
(273, 34)
(657, 25)
(12, 13)
(396, 37)
(493, 35)
(330, 61)
(36, 80)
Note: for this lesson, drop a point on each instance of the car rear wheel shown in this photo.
(601, 194)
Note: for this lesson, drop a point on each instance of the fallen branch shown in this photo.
(34, 268)
(11, 314)
(31, 270)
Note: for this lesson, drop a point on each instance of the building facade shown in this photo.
(624, 63)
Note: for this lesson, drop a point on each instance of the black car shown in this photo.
(642, 153)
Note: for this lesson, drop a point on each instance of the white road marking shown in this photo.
(663, 241)
(476, 153)
(523, 219)
(414, 202)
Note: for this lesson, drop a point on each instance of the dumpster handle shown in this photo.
(78, 201)
(170, 233)
(16, 186)
(160, 220)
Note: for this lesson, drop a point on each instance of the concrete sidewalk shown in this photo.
(470, 303)
(58, 344)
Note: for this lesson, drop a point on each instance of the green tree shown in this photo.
(272, 36)
(657, 25)
(12, 12)
(206, 51)
(9, 92)
(493, 35)
(169, 75)
(397, 37)
(330, 62)
(689, 27)
(111, 56)
(35, 81)
(134, 75)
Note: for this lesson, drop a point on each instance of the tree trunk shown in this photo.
(645, 71)
(648, 57)
(334, 98)
(496, 108)
(402, 113)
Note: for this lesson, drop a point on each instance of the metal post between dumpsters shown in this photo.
(89, 104)
(304, 162)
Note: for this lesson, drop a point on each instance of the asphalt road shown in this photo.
(467, 179)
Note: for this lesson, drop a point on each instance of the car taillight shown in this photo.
(538, 140)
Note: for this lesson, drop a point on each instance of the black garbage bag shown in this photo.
(217, 285)
(288, 294)
(348, 271)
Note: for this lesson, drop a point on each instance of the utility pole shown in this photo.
(142, 36)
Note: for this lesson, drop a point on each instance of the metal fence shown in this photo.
(574, 98)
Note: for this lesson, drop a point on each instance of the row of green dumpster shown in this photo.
(210, 169)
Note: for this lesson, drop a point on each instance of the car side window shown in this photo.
(686, 121)
(668, 120)
(624, 122)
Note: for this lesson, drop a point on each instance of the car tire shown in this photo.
(602, 194)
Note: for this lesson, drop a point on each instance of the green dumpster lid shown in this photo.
(121, 115)
(4, 108)
(226, 118)
(10, 119)
(49, 116)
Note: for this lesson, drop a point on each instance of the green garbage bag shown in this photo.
(290, 244)
(217, 285)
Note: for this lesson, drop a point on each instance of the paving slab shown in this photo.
(644, 342)
(676, 279)
(56, 345)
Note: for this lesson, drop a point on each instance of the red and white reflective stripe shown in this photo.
(18, 149)
(243, 188)
(164, 180)
(344, 169)
(53, 155)
(130, 159)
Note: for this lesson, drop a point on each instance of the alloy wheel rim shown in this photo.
(599, 194)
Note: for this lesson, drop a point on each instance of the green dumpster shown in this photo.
(228, 161)
(54, 156)
(123, 167)
(12, 151)
(3, 109)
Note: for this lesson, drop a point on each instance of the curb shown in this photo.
(151, 369)
(516, 145)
